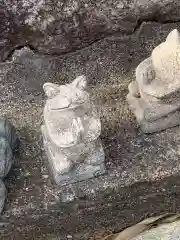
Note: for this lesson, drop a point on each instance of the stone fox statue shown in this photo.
(71, 130)
(154, 97)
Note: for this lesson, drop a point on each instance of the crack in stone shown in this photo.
(138, 29)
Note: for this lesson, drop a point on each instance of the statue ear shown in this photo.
(80, 82)
(51, 89)
(173, 37)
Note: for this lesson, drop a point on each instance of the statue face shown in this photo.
(66, 96)
(69, 116)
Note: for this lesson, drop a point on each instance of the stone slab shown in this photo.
(68, 25)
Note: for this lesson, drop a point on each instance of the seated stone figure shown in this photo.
(155, 95)
(71, 132)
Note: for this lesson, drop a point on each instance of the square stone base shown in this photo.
(155, 118)
(169, 121)
(91, 166)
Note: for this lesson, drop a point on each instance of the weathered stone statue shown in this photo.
(155, 95)
(71, 132)
(8, 144)
(3, 193)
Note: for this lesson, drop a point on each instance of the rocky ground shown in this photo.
(142, 170)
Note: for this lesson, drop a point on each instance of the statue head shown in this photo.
(66, 96)
(158, 75)
(69, 116)
(166, 60)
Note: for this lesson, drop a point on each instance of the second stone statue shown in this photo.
(154, 97)
(71, 132)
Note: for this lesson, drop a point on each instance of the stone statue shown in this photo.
(8, 144)
(3, 193)
(71, 132)
(154, 97)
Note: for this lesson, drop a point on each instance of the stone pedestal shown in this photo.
(71, 133)
(154, 97)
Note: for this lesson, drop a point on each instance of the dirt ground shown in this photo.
(142, 176)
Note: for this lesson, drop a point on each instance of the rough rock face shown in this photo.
(62, 26)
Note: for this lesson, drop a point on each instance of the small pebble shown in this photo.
(69, 237)
(45, 176)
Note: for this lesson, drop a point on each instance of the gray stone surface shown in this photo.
(64, 26)
(143, 170)
(71, 132)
